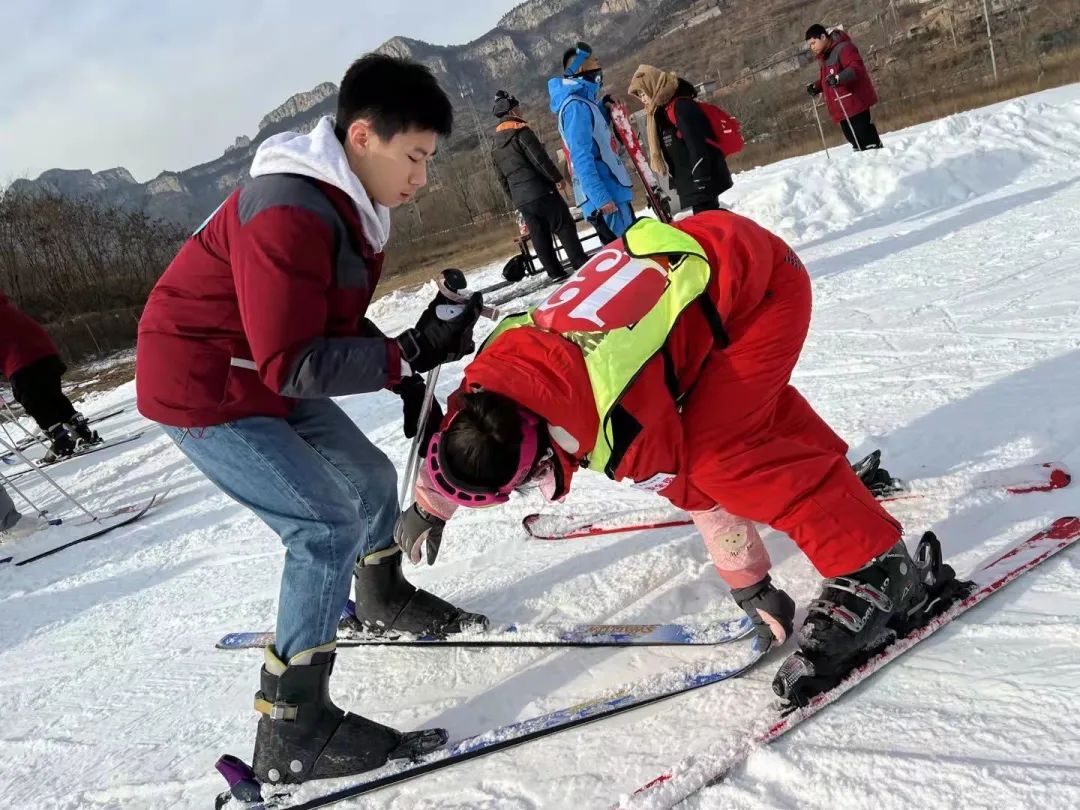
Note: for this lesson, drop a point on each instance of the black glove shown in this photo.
(608, 100)
(813, 89)
(411, 390)
(833, 80)
(766, 606)
(414, 529)
(433, 341)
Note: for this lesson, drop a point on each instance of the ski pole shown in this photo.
(851, 129)
(412, 465)
(11, 417)
(14, 449)
(450, 283)
(42, 513)
(821, 131)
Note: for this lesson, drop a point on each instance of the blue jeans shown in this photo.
(316, 480)
(622, 219)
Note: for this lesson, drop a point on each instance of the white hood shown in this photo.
(319, 154)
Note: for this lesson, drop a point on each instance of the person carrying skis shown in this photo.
(681, 139)
(602, 186)
(533, 184)
(31, 362)
(254, 326)
(667, 361)
(846, 84)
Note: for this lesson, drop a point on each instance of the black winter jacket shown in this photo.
(698, 169)
(525, 170)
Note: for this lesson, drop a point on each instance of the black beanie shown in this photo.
(504, 103)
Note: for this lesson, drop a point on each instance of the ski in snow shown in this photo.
(1025, 478)
(527, 635)
(81, 453)
(30, 441)
(246, 791)
(122, 516)
(710, 766)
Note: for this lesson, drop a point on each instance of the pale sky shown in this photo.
(166, 84)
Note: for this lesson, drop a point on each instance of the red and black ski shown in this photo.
(1026, 478)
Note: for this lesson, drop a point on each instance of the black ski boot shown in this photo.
(386, 603)
(858, 615)
(79, 427)
(302, 735)
(61, 443)
(876, 478)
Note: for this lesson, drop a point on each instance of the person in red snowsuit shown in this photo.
(846, 85)
(711, 421)
(31, 362)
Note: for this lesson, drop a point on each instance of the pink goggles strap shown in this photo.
(470, 495)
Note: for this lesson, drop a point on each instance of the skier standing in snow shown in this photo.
(681, 148)
(533, 184)
(846, 85)
(602, 186)
(255, 325)
(32, 364)
(667, 360)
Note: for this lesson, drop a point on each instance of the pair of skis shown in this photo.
(675, 783)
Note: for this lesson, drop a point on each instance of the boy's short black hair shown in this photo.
(395, 94)
(816, 31)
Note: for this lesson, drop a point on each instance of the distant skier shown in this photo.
(681, 139)
(255, 325)
(667, 361)
(533, 184)
(602, 186)
(32, 364)
(846, 85)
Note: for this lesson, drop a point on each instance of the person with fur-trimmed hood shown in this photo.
(685, 148)
(845, 84)
(533, 183)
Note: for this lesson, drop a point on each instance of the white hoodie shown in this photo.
(320, 155)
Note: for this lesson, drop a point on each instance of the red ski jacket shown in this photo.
(264, 304)
(546, 373)
(855, 93)
(22, 339)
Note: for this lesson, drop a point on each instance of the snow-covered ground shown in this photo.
(946, 331)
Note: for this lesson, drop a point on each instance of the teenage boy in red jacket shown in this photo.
(667, 361)
(255, 325)
(846, 85)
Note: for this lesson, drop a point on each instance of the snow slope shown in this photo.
(946, 331)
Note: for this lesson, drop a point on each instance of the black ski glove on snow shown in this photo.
(770, 609)
(411, 390)
(416, 529)
(434, 341)
(813, 89)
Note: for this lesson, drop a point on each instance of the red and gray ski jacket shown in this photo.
(265, 303)
(855, 92)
